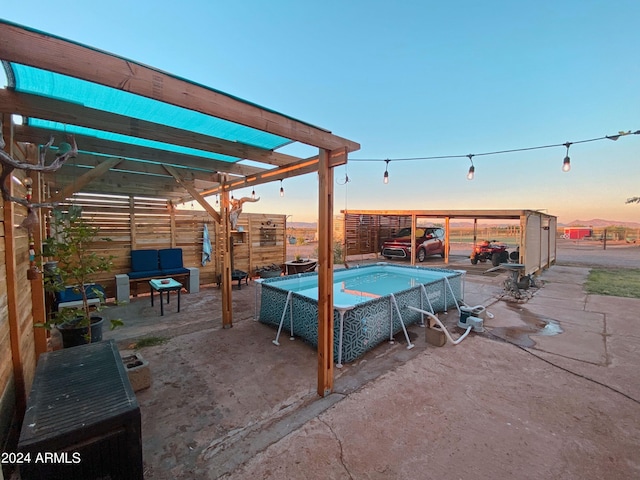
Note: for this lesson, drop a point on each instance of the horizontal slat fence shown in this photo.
(144, 223)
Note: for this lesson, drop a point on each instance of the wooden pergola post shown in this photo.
(227, 301)
(447, 239)
(325, 274)
(37, 285)
(12, 284)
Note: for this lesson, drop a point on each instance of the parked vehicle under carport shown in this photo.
(429, 241)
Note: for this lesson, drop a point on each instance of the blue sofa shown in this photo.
(151, 263)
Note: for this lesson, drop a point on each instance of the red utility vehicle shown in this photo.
(490, 250)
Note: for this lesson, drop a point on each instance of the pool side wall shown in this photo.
(365, 325)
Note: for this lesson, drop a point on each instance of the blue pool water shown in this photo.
(353, 288)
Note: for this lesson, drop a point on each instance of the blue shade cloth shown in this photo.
(206, 246)
(24, 78)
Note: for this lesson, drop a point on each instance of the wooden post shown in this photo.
(172, 222)
(39, 310)
(225, 224)
(132, 223)
(12, 284)
(325, 275)
(447, 239)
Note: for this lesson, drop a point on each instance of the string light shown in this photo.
(346, 177)
(566, 164)
(217, 201)
(253, 193)
(472, 169)
(281, 189)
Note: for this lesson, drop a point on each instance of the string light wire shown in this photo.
(497, 152)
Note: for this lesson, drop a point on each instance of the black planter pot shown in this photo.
(74, 336)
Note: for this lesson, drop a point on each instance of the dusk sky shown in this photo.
(409, 80)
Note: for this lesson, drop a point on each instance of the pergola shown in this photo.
(141, 131)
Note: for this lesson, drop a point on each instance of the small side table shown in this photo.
(165, 285)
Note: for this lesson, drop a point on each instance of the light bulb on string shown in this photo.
(566, 163)
(472, 168)
(253, 193)
(217, 201)
(281, 189)
(385, 178)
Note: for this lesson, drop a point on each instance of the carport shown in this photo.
(365, 229)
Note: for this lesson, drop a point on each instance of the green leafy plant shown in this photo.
(338, 252)
(71, 245)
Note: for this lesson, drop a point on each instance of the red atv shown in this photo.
(490, 250)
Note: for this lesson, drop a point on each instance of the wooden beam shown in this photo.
(92, 145)
(47, 108)
(85, 179)
(194, 193)
(123, 184)
(30, 47)
(325, 275)
(471, 214)
(307, 165)
(85, 161)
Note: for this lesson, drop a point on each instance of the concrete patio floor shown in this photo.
(228, 403)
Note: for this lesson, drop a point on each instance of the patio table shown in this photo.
(165, 285)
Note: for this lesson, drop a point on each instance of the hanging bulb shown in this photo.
(217, 201)
(566, 164)
(385, 179)
(281, 189)
(253, 193)
(472, 169)
(471, 172)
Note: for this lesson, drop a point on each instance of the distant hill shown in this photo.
(599, 223)
(306, 225)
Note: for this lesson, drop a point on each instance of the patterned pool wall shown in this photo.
(364, 325)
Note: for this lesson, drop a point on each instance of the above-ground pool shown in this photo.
(370, 303)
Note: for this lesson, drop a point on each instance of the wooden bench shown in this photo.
(147, 264)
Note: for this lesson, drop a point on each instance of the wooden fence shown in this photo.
(142, 223)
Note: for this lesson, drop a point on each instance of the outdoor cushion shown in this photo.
(145, 274)
(70, 294)
(171, 261)
(144, 261)
(175, 271)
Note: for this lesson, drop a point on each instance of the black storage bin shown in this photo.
(82, 419)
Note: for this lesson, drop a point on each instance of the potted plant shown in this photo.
(71, 244)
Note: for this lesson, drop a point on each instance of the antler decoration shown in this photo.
(10, 164)
(236, 209)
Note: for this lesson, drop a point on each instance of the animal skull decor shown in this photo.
(236, 209)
